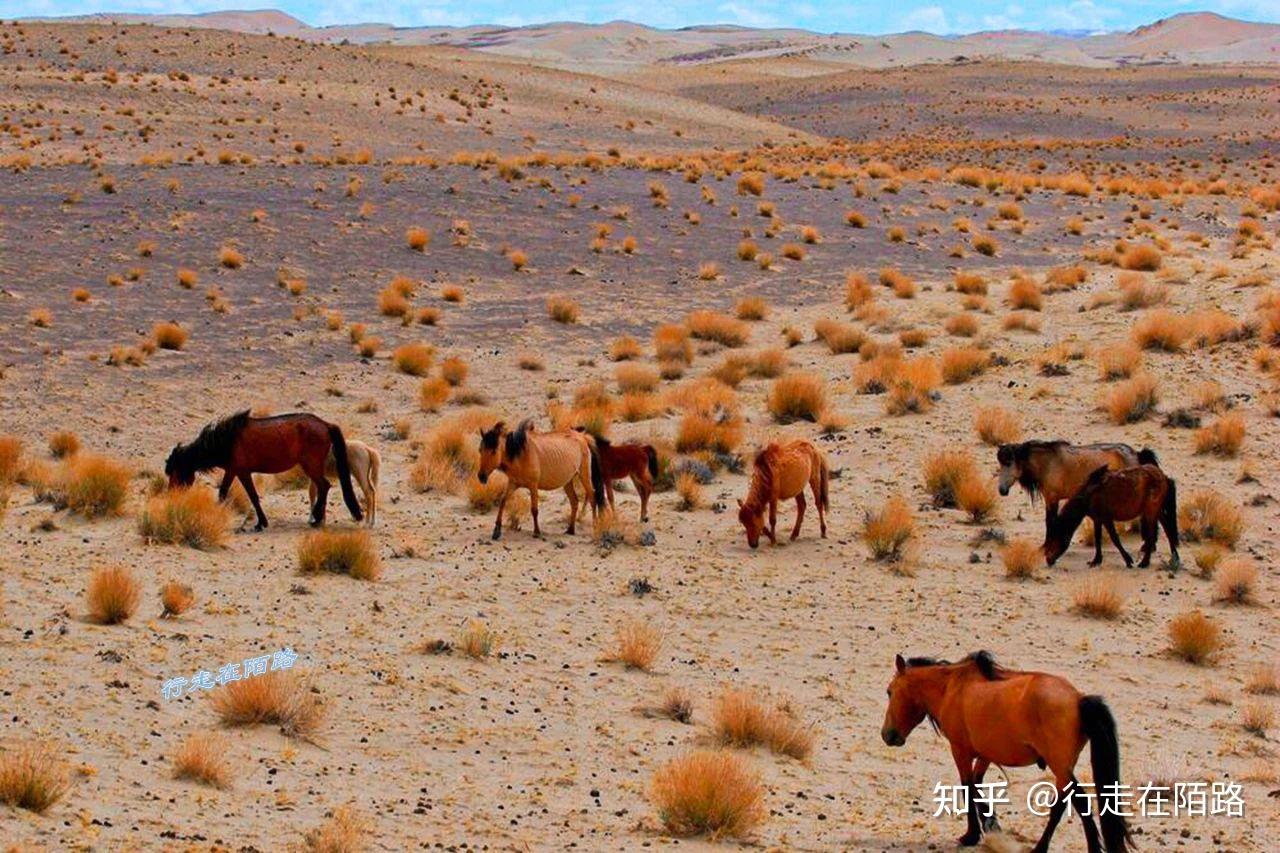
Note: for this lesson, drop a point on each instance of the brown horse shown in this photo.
(637, 461)
(542, 460)
(781, 472)
(992, 715)
(1056, 470)
(364, 463)
(243, 446)
(1144, 493)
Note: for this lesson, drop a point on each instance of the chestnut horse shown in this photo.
(242, 446)
(364, 463)
(542, 460)
(781, 472)
(992, 715)
(1055, 470)
(1144, 493)
(637, 461)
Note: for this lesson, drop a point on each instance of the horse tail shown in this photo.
(343, 465)
(824, 480)
(1099, 727)
(1147, 456)
(1169, 512)
(653, 460)
(597, 475)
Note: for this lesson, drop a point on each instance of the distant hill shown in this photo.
(1193, 37)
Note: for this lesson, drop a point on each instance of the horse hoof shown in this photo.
(497, 534)
(1095, 563)
(258, 528)
(968, 840)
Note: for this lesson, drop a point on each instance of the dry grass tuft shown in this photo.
(625, 348)
(417, 238)
(193, 517)
(1264, 680)
(887, 529)
(797, 396)
(708, 792)
(562, 309)
(283, 698)
(1025, 295)
(740, 718)
(944, 471)
(1144, 257)
(720, 328)
(414, 358)
(1257, 718)
(976, 497)
(1021, 558)
(1118, 362)
(176, 599)
(635, 644)
(169, 336)
(1207, 516)
(477, 640)
(90, 485)
(689, 488)
(343, 832)
(1161, 330)
(1100, 595)
(960, 364)
(1132, 400)
(996, 425)
(1235, 581)
(913, 386)
(63, 444)
(1223, 437)
(112, 596)
(454, 370)
(10, 458)
(230, 258)
(1195, 638)
(347, 552)
(203, 758)
(32, 777)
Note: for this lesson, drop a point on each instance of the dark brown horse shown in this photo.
(1055, 470)
(637, 461)
(992, 715)
(242, 446)
(1144, 493)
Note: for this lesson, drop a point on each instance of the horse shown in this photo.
(1056, 470)
(993, 715)
(542, 460)
(242, 445)
(1144, 493)
(364, 463)
(780, 472)
(637, 461)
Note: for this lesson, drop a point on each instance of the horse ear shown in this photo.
(739, 503)
(900, 664)
(1098, 474)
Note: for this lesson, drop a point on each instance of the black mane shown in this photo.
(983, 660)
(210, 448)
(519, 439)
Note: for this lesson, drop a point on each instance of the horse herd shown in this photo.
(990, 714)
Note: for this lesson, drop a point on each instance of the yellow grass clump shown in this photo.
(752, 308)
(1223, 437)
(414, 358)
(857, 291)
(63, 444)
(1118, 362)
(709, 271)
(112, 595)
(169, 336)
(1144, 257)
(230, 258)
(797, 396)
(720, 328)
(976, 497)
(671, 344)
(193, 517)
(740, 718)
(1025, 295)
(281, 698)
(1257, 718)
(32, 777)
(625, 348)
(636, 644)
(343, 832)
(960, 364)
(1161, 330)
(1207, 516)
(996, 425)
(839, 337)
(1132, 400)
(913, 385)
(562, 309)
(944, 471)
(90, 485)
(1021, 557)
(886, 530)
(347, 552)
(689, 488)
(433, 393)
(10, 458)
(477, 641)
(712, 793)
(636, 377)
(417, 238)
(203, 758)
(175, 599)
(1235, 581)
(1195, 638)
(454, 370)
(1099, 595)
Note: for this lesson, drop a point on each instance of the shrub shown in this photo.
(230, 258)
(740, 718)
(996, 425)
(342, 833)
(636, 644)
(636, 377)
(562, 309)
(10, 458)
(887, 529)
(519, 260)
(392, 302)
(854, 219)
(1118, 362)
(839, 337)
(1195, 638)
(970, 284)
(961, 325)
(188, 278)
(708, 792)
(960, 364)
(414, 358)
(1024, 295)
(1257, 717)
(625, 348)
(453, 294)
(913, 385)
(705, 431)
(417, 238)
(477, 641)
(1132, 400)
(112, 595)
(709, 271)
(721, 328)
(671, 343)
(1264, 680)
(175, 599)
(1021, 557)
(1099, 595)
(454, 370)
(857, 291)
(751, 308)
(63, 444)
(747, 250)
(976, 496)
(193, 517)
(793, 251)
(348, 552)
(1136, 292)
(943, 473)
(281, 698)
(169, 336)
(1144, 257)
(689, 488)
(1161, 330)
(1223, 437)
(91, 485)
(1024, 321)
(797, 396)
(985, 244)
(203, 758)
(1235, 581)
(32, 777)
(1207, 516)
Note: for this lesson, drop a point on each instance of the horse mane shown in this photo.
(213, 445)
(761, 476)
(1021, 453)
(984, 660)
(518, 440)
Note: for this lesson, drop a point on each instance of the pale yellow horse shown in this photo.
(781, 472)
(542, 461)
(364, 463)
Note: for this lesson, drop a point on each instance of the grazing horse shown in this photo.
(1144, 493)
(364, 463)
(542, 461)
(781, 472)
(242, 446)
(1056, 470)
(637, 461)
(992, 715)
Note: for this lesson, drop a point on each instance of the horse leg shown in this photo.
(1148, 541)
(642, 489)
(533, 511)
(1055, 815)
(246, 480)
(795, 531)
(816, 485)
(1097, 543)
(772, 530)
(502, 506)
(1115, 540)
(1050, 515)
(573, 505)
(986, 810)
(608, 492)
(965, 765)
(225, 485)
(1080, 801)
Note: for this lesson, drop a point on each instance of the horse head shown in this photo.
(1010, 459)
(1068, 520)
(490, 451)
(752, 518)
(905, 710)
(178, 468)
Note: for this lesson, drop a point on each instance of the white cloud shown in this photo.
(931, 19)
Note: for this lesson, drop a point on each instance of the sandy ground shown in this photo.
(542, 746)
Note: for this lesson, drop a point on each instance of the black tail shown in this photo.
(1099, 727)
(1147, 456)
(1169, 516)
(344, 471)
(653, 460)
(597, 477)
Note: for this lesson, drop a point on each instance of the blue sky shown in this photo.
(856, 16)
